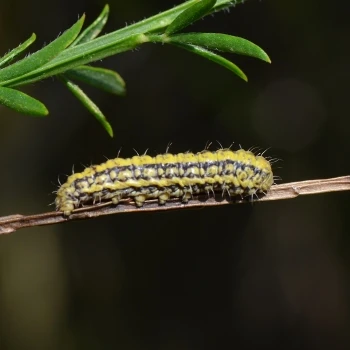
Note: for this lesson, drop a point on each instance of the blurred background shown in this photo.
(247, 276)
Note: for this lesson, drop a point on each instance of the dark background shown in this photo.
(270, 275)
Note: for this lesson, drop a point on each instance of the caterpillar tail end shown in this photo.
(64, 206)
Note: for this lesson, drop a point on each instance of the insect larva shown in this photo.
(166, 176)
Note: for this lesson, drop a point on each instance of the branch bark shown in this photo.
(9, 224)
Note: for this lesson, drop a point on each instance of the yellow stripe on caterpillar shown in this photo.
(166, 176)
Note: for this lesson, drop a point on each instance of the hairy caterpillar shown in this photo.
(165, 176)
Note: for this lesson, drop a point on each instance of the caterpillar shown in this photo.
(166, 176)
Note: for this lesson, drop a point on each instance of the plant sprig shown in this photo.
(67, 56)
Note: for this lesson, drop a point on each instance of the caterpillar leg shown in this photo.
(209, 189)
(140, 200)
(163, 198)
(67, 210)
(67, 206)
(186, 196)
(116, 199)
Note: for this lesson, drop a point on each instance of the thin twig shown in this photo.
(290, 190)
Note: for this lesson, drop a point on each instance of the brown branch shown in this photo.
(290, 190)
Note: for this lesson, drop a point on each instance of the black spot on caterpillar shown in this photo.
(166, 176)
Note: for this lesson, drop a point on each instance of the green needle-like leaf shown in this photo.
(215, 58)
(21, 102)
(109, 44)
(13, 53)
(88, 103)
(94, 29)
(221, 42)
(190, 15)
(77, 56)
(43, 56)
(100, 78)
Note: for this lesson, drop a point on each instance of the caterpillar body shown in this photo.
(166, 176)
